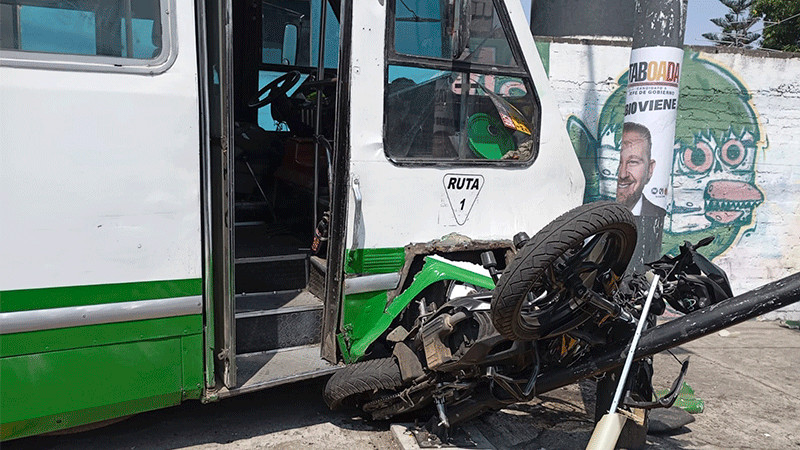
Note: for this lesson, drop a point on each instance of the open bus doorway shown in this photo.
(284, 115)
(281, 115)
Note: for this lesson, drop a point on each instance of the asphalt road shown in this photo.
(748, 380)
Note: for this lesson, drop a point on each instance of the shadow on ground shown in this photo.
(287, 410)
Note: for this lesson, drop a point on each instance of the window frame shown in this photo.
(108, 64)
(311, 69)
(391, 57)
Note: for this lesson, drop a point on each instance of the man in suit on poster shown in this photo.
(635, 170)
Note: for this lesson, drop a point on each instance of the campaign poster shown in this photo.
(648, 134)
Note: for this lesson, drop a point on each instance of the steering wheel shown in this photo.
(274, 89)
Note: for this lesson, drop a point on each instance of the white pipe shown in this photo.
(634, 343)
(606, 432)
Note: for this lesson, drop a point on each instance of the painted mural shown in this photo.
(713, 189)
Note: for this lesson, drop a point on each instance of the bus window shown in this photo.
(420, 29)
(300, 20)
(291, 20)
(456, 90)
(117, 29)
(44, 29)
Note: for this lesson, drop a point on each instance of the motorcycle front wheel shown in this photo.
(535, 297)
(356, 383)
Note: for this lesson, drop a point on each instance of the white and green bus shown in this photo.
(206, 198)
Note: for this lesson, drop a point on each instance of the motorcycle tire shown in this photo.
(553, 311)
(354, 382)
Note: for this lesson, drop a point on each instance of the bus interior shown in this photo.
(278, 110)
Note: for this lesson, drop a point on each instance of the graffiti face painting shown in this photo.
(717, 138)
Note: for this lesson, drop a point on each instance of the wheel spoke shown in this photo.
(595, 243)
(588, 267)
(543, 302)
(585, 251)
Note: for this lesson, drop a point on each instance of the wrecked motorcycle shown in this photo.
(464, 349)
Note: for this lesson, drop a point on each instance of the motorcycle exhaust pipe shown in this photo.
(695, 325)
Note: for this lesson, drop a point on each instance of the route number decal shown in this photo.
(462, 190)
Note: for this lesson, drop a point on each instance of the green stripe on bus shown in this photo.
(59, 297)
(61, 421)
(55, 390)
(375, 260)
(95, 335)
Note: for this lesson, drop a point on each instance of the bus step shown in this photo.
(271, 273)
(252, 211)
(317, 270)
(260, 370)
(275, 320)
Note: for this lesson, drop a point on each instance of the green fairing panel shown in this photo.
(361, 312)
(73, 376)
(434, 270)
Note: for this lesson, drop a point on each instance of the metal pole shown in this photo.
(128, 29)
(634, 343)
(318, 119)
(658, 33)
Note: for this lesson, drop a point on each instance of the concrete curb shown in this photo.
(405, 439)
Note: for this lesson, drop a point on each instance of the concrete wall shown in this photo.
(582, 17)
(738, 126)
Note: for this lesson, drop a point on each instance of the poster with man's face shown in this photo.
(648, 134)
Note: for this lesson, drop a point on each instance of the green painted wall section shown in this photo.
(432, 272)
(375, 260)
(59, 297)
(544, 54)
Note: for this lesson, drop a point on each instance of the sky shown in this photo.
(697, 19)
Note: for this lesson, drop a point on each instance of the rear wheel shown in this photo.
(535, 296)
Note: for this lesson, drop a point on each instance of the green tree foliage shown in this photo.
(781, 23)
(735, 25)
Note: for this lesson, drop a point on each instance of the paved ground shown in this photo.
(749, 381)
